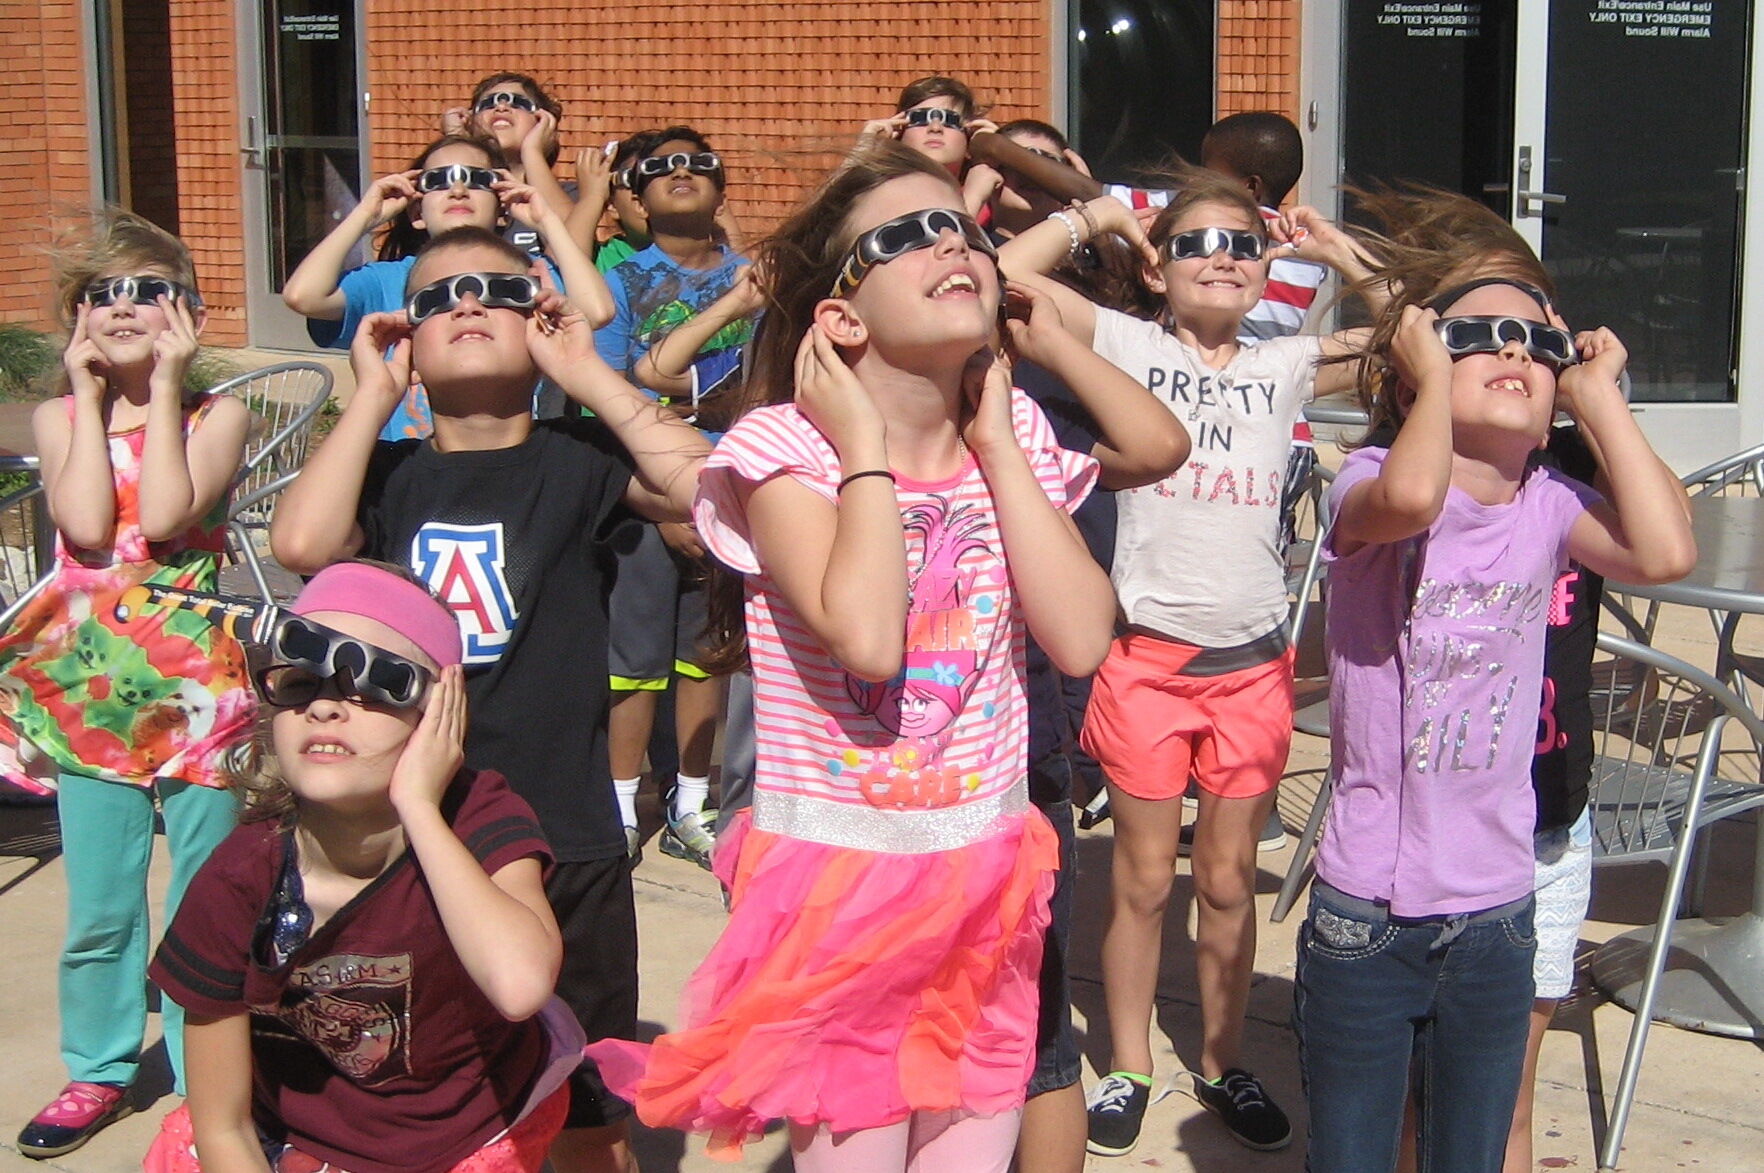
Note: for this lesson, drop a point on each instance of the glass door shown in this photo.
(1611, 133)
(302, 146)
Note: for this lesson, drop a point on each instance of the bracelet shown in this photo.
(868, 472)
(1065, 217)
(1083, 210)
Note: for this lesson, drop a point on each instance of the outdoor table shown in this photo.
(1714, 977)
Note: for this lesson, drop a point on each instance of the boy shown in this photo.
(503, 515)
(657, 605)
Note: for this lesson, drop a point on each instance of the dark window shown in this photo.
(1141, 81)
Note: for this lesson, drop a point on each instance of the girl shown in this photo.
(935, 116)
(112, 713)
(363, 962)
(514, 111)
(899, 513)
(1445, 551)
(453, 182)
(1201, 681)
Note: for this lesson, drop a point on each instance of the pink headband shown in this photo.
(355, 588)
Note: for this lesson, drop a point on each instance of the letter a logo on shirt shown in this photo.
(463, 564)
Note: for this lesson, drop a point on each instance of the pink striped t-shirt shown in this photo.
(934, 759)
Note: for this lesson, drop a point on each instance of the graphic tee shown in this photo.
(652, 294)
(371, 1045)
(510, 540)
(1436, 649)
(933, 759)
(1197, 554)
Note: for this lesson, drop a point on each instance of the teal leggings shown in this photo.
(106, 843)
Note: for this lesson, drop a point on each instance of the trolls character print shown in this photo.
(917, 710)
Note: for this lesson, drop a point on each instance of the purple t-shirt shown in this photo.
(1435, 669)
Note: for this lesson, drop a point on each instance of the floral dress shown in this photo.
(92, 685)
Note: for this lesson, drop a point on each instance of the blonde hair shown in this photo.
(112, 241)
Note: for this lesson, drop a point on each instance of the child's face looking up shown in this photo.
(680, 192)
(1508, 391)
(938, 143)
(471, 342)
(1219, 285)
(125, 330)
(458, 205)
(505, 122)
(340, 753)
(943, 296)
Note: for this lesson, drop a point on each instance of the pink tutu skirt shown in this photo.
(853, 988)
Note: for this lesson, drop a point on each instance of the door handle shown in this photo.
(1527, 198)
(251, 149)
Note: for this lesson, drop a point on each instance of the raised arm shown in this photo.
(667, 366)
(1643, 532)
(313, 288)
(501, 926)
(79, 484)
(667, 451)
(582, 282)
(1054, 176)
(1410, 488)
(593, 193)
(182, 477)
(1040, 250)
(841, 566)
(1065, 596)
(315, 524)
(1142, 440)
(536, 169)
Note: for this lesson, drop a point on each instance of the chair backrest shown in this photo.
(1662, 728)
(1738, 475)
(286, 399)
(1304, 557)
(26, 544)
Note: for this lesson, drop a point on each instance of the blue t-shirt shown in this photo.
(653, 294)
(378, 288)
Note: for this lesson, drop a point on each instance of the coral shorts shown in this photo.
(1151, 727)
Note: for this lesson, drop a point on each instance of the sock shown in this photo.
(626, 789)
(1133, 1076)
(689, 795)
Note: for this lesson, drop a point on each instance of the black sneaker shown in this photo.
(1272, 838)
(1115, 1108)
(1243, 1104)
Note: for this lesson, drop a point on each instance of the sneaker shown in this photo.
(73, 1118)
(690, 837)
(633, 844)
(1272, 838)
(1115, 1109)
(1240, 1100)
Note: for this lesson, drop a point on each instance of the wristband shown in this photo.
(868, 472)
(1083, 210)
(1065, 218)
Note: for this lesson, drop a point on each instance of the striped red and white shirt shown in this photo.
(934, 759)
(1292, 283)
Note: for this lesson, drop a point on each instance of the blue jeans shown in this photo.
(1375, 994)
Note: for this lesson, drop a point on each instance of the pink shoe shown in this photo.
(73, 1118)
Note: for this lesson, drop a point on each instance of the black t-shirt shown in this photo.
(1562, 764)
(511, 539)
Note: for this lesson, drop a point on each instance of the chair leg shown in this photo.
(1301, 856)
(1644, 1010)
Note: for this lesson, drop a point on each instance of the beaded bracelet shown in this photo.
(1065, 217)
(868, 472)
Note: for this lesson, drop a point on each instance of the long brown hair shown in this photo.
(1427, 241)
(798, 264)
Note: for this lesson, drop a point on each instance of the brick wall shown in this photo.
(205, 111)
(43, 140)
(778, 88)
(1258, 56)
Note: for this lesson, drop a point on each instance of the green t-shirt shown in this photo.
(612, 252)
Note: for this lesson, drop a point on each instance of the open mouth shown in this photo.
(326, 749)
(955, 285)
(471, 336)
(1511, 383)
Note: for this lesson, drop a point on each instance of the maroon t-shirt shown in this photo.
(371, 1046)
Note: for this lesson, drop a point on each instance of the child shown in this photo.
(657, 607)
(935, 116)
(363, 961)
(632, 233)
(504, 517)
(514, 111)
(900, 523)
(1202, 680)
(114, 713)
(1014, 202)
(1445, 550)
(454, 182)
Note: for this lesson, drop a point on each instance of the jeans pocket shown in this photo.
(1521, 930)
(1341, 937)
